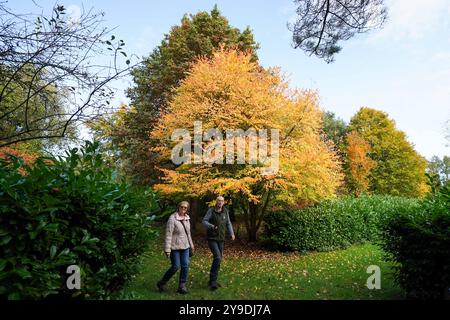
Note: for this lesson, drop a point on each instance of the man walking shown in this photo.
(217, 223)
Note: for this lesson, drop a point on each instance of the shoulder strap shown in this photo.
(185, 231)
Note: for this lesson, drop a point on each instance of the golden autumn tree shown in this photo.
(229, 93)
(359, 163)
(400, 169)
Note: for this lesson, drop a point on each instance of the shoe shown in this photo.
(182, 289)
(213, 285)
(161, 286)
(217, 284)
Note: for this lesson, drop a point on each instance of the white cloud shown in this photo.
(413, 19)
(74, 13)
(441, 57)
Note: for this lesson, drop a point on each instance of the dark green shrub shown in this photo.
(70, 210)
(332, 224)
(419, 244)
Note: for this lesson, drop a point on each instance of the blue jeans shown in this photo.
(216, 248)
(178, 258)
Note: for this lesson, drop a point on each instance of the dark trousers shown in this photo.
(178, 258)
(216, 248)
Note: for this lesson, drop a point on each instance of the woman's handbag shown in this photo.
(191, 253)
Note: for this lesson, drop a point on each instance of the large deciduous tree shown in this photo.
(163, 71)
(399, 169)
(230, 92)
(439, 169)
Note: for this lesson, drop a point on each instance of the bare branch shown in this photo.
(53, 72)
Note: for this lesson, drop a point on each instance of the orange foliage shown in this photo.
(27, 157)
(231, 92)
(359, 163)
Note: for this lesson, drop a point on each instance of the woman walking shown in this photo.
(178, 245)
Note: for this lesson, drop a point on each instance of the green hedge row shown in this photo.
(419, 245)
(69, 211)
(332, 224)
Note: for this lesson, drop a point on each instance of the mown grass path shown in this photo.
(250, 273)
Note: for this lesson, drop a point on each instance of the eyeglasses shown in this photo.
(183, 207)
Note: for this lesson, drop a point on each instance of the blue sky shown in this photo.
(403, 69)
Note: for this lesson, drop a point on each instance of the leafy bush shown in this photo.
(64, 211)
(419, 244)
(332, 224)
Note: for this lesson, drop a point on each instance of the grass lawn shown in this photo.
(251, 273)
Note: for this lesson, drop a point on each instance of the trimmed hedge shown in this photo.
(70, 210)
(333, 224)
(419, 245)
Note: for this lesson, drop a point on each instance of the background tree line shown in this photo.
(193, 75)
(50, 88)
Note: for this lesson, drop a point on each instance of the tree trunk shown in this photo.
(252, 223)
(253, 213)
(194, 214)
